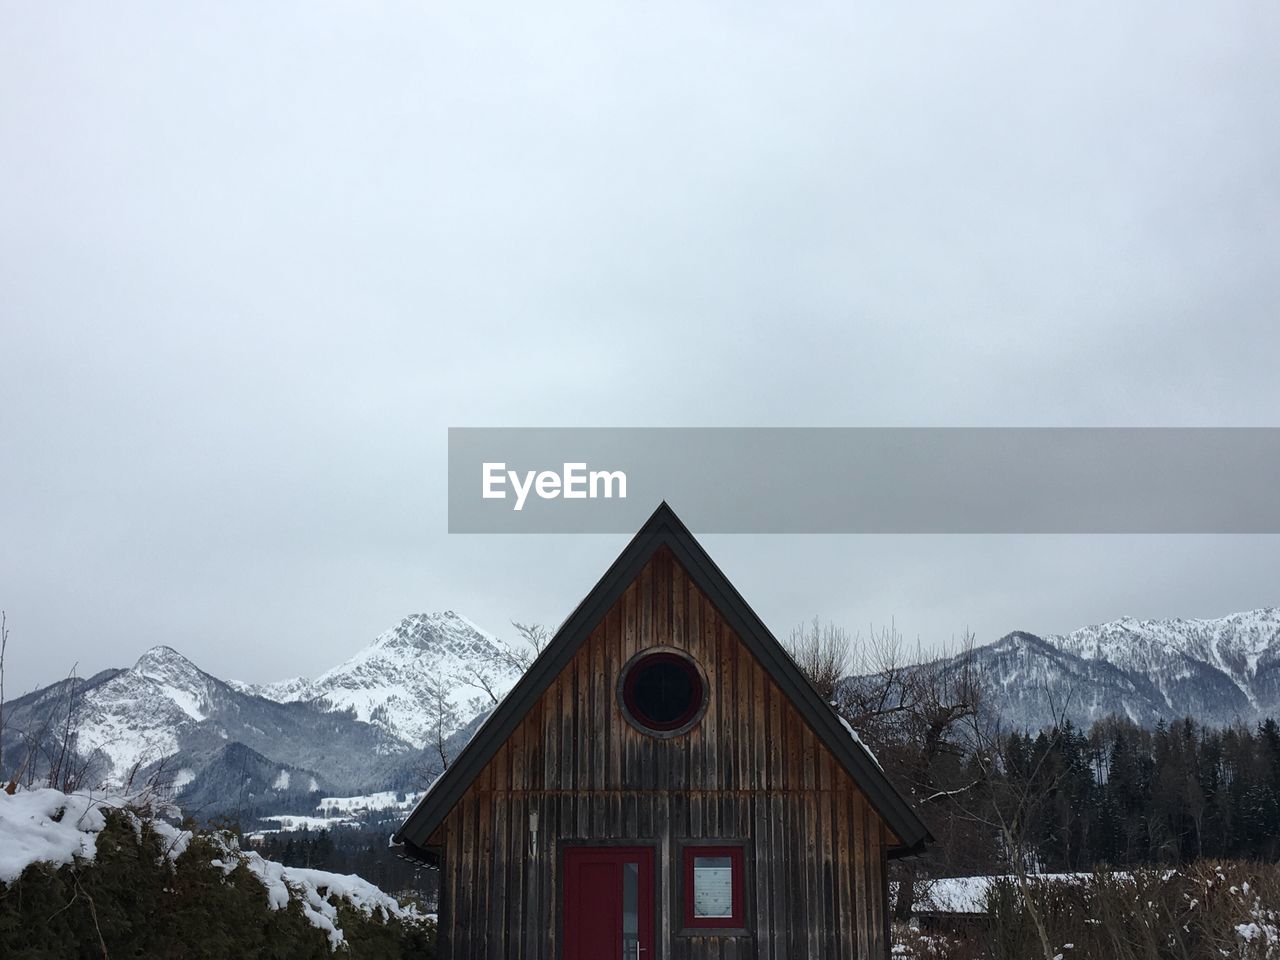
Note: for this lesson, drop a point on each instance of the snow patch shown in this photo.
(49, 826)
(315, 891)
(385, 800)
(858, 740)
(290, 821)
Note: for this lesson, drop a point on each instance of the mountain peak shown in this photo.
(162, 662)
(177, 678)
(1017, 639)
(390, 681)
(431, 631)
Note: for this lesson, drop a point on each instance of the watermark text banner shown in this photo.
(866, 480)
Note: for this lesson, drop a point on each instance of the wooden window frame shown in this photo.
(738, 852)
(663, 733)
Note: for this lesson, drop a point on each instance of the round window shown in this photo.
(663, 692)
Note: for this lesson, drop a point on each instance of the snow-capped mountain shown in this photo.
(363, 725)
(1230, 663)
(121, 720)
(1217, 670)
(374, 722)
(164, 714)
(139, 715)
(432, 672)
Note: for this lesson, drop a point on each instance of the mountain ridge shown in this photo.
(1219, 669)
(363, 724)
(382, 718)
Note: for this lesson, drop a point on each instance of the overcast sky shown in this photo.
(255, 259)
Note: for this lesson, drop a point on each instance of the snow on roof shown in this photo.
(858, 740)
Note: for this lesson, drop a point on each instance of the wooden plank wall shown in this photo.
(751, 770)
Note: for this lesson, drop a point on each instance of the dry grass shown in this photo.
(1207, 911)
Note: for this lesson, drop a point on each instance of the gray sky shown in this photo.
(255, 259)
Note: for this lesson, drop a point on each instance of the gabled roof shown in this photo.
(663, 528)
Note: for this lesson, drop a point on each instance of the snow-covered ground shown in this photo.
(290, 821)
(386, 800)
(335, 812)
(969, 894)
(48, 826)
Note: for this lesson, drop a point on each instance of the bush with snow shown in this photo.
(89, 876)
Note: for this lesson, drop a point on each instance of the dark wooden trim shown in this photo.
(679, 902)
(620, 693)
(884, 893)
(429, 856)
(444, 908)
(664, 528)
(907, 853)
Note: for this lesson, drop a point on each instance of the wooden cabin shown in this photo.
(663, 784)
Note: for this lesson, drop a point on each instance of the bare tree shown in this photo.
(517, 655)
(882, 686)
(912, 714)
(49, 741)
(444, 718)
(480, 677)
(1019, 794)
(4, 644)
(67, 768)
(520, 654)
(823, 654)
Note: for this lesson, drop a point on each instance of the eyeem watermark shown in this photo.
(574, 482)
(867, 480)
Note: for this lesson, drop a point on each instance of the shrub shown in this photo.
(131, 900)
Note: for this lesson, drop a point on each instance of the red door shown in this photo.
(608, 903)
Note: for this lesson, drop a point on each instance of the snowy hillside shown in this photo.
(1231, 661)
(387, 807)
(139, 715)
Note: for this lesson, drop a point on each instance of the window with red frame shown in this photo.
(714, 887)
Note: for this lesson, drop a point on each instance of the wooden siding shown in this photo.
(751, 770)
